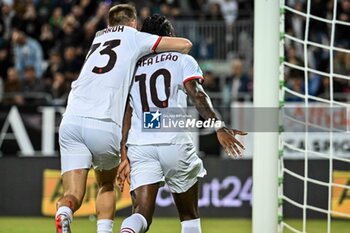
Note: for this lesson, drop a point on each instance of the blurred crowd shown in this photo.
(43, 42)
(319, 60)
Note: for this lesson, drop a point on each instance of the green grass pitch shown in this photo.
(160, 225)
(84, 225)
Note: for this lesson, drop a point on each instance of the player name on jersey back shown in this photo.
(119, 28)
(102, 87)
(147, 61)
(157, 94)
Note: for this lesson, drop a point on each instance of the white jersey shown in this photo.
(103, 85)
(159, 84)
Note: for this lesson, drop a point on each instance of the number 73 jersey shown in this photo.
(158, 87)
(103, 85)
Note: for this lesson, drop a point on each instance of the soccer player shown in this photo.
(90, 131)
(164, 81)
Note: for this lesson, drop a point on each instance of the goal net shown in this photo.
(314, 148)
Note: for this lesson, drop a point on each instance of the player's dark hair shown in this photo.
(121, 14)
(158, 25)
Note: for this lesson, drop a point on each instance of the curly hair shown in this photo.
(158, 25)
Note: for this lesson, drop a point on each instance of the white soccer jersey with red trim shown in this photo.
(159, 84)
(104, 82)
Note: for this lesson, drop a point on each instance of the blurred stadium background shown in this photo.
(42, 47)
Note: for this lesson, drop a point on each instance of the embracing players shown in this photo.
(90, 131)
(163, 81)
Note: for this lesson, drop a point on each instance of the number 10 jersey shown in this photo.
(158, 88)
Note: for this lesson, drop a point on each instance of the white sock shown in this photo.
(105, 226)
(66, 211)
(191, 226)
(136, 223)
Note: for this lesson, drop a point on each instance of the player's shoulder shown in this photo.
(111, 30)
(186, 58)
(180, 56)
(176, 55)
(131, 29)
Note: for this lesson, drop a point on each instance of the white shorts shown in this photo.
(178, 165)
(87, 141)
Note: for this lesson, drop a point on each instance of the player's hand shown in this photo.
(227, 139)
(123, 172)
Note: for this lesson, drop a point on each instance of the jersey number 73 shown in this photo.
(108, 50)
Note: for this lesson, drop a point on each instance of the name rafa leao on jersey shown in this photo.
(157, 59)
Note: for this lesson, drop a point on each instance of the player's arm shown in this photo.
(149, 43)
(126, 128)
(176, 44)
(205, 108)
(123, 172)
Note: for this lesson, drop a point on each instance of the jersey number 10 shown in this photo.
(153, 89)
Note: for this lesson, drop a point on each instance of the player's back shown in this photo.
(103, 83)
(159, 85)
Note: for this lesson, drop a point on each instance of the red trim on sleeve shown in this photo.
(194, 77)
(156, 44)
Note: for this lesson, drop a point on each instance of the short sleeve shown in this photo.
(191, 69)
(146, 43)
